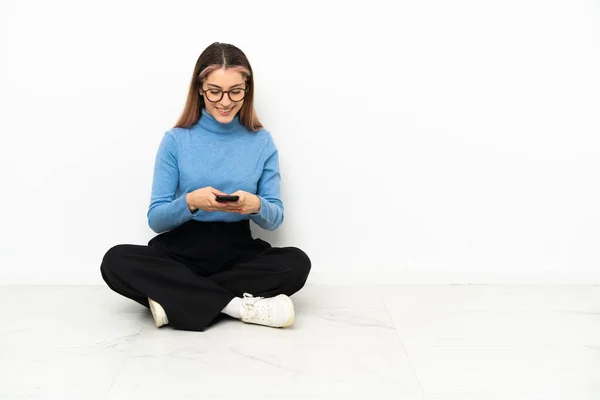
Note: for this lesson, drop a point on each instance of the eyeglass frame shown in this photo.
(246, 90)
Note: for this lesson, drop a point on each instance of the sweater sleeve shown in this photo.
(270, 216)
(167, 212)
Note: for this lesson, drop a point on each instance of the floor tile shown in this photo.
(561, 298)
(427, 342)
(506, 370)
(514, 396)
(60, 342)
(327, 351)
(488, 328)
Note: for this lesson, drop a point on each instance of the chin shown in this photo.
(224, 119)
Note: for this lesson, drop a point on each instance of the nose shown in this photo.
(225, 101)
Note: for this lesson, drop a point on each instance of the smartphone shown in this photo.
(226, 197)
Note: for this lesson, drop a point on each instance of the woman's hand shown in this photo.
(205, 199)
(248, 203)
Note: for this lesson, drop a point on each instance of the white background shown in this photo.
(420, 141)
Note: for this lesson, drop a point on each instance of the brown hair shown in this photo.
(226, 56)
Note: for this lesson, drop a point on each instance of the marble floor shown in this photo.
(430, 342)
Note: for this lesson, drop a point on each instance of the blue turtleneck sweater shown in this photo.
(228, 157)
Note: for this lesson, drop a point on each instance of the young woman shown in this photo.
(204, 262)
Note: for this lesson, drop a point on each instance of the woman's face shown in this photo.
(222, 79)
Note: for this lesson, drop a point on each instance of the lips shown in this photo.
(225, 111)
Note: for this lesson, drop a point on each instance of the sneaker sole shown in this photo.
(157, 313)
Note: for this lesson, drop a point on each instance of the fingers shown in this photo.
(224, 206)
(228, 206)
(231, 206)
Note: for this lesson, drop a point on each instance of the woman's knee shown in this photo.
(301, 263)
(112, 259)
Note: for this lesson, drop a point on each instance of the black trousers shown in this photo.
(195, 269)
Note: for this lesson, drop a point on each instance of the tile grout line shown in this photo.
(403, 347)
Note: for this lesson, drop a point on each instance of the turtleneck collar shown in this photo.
(209, 123)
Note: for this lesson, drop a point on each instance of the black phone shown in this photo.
(226, 197)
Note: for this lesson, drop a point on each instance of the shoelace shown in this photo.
(248, 303)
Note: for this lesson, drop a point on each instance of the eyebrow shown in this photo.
(210, 84)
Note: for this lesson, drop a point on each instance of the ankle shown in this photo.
(234, 308)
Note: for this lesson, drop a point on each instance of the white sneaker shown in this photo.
(275, 311)
(159, 314)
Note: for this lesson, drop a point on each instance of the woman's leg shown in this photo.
(277, 270)
(270, 277)
(190, 301)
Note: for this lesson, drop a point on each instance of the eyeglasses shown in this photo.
(215, 95)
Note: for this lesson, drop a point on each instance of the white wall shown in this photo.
(424, 141)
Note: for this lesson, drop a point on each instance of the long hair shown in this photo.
(216, 56)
